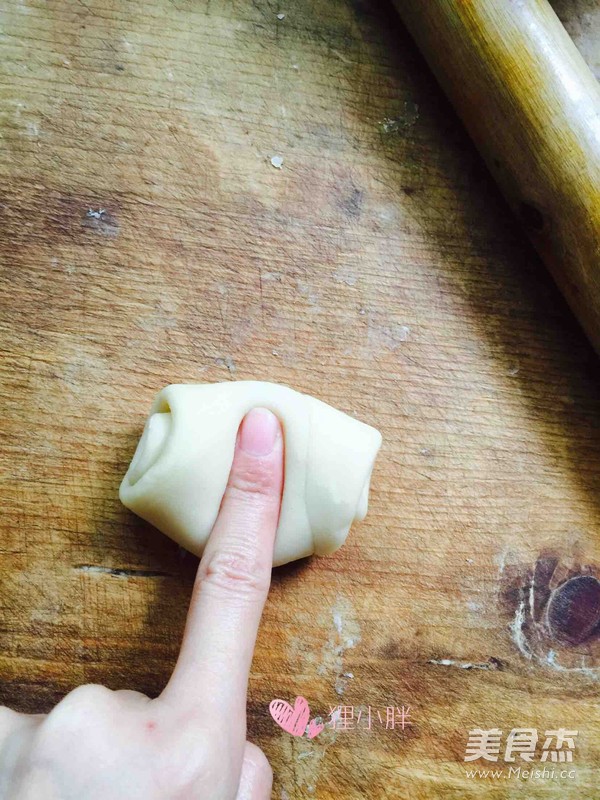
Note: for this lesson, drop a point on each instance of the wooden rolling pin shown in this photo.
(532, 106)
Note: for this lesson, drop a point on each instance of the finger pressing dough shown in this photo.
(180, 469)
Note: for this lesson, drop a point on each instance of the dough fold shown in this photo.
(180, 469)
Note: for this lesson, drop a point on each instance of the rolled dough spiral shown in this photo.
(179, 472)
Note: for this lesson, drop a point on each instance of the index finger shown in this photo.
(234, 575)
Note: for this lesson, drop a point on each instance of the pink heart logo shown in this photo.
(314, 727)
(292, 720)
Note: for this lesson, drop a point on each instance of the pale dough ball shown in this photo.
(179, 472)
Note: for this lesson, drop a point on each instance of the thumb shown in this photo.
(256, 779)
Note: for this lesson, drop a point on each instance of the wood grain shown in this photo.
(532, 106)
(146, 238)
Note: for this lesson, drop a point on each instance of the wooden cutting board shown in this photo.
(146, 237)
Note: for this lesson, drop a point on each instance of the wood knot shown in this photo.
(532, 217)
(573, 612)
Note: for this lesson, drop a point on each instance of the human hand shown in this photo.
(190, 742)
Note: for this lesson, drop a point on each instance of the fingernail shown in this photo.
(259, 432)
